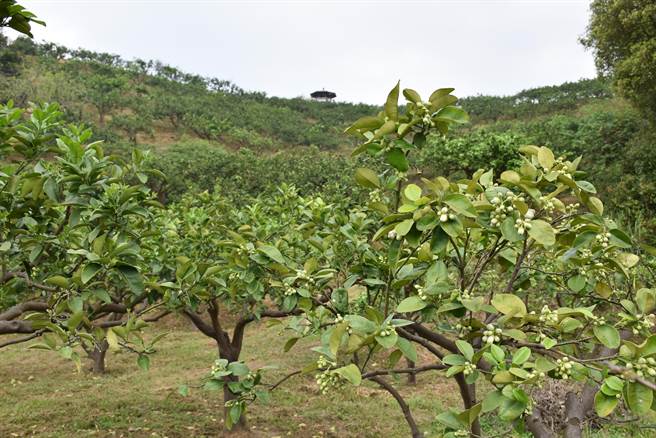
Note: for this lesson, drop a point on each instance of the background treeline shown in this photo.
(208, 132)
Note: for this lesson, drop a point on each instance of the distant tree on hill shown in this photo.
(622, 34)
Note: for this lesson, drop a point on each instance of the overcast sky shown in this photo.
(356, 49)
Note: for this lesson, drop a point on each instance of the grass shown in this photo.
(43, 395)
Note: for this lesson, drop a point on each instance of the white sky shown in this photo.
(357, 49)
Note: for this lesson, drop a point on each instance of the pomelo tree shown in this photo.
(231, 266)
(513, 278)
(74, 227)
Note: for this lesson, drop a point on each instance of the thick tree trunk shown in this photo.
(537, 427)
(97, 356)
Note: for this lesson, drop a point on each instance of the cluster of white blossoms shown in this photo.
(375, 196)
(446, 215)
(245, 249)
(547, 204)
(524, 224)
(463, 329)
(503, 207)
(465, 295)
(461, 432)
(643, 366)
(420, 292)
(301, 274)
(469, 368)
(548, 316)
(327, 378)
(572, 208)
(533, 374)
(602, 239)
(289, 290)
(561, 168)
(598, 320)
(492, 334)
(564, 368)
(644, 324)
(425, 113)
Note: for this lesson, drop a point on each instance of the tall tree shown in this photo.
(622, 34)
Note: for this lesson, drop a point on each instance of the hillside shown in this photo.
(151, 102)
(201, 121)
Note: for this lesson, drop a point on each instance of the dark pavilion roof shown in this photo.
(323, 94)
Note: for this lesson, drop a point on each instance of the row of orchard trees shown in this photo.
(514, 278)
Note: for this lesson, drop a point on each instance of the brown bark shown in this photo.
(404, 406)
(468, 395)
(412, 377)
(537, 427)
(97, 356)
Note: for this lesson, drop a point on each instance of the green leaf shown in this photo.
(411, 304)
(397, 159)
(290, 343)
(112, 340)
(387, 341)
(511, 409)
(453, 114)
(510, 176)
(493, 400)
(403, 228)
(89, 272)
(367, 178)
(412, 192)
(351, 373)
(465, 348)
(273, 253)
(411, 95)
(392, 103)
(132, 276)
(509, 304)
(604, 405)
(639, 397)
(546, 158)
(520, 356)
(143, 361)
(607, 335)
(238, 369)
(407, 348)
(646, 300)
(542, 232)
(460, 204)
(75, 320)
(58, 281)
(586, 187)
(577, 283)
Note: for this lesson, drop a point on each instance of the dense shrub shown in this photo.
(200, 166)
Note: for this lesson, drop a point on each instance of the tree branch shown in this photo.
(404, 406)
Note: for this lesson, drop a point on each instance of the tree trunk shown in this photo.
(412, 377)
(97, 356)
(468, 395)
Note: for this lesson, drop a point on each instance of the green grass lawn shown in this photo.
(41, 394)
